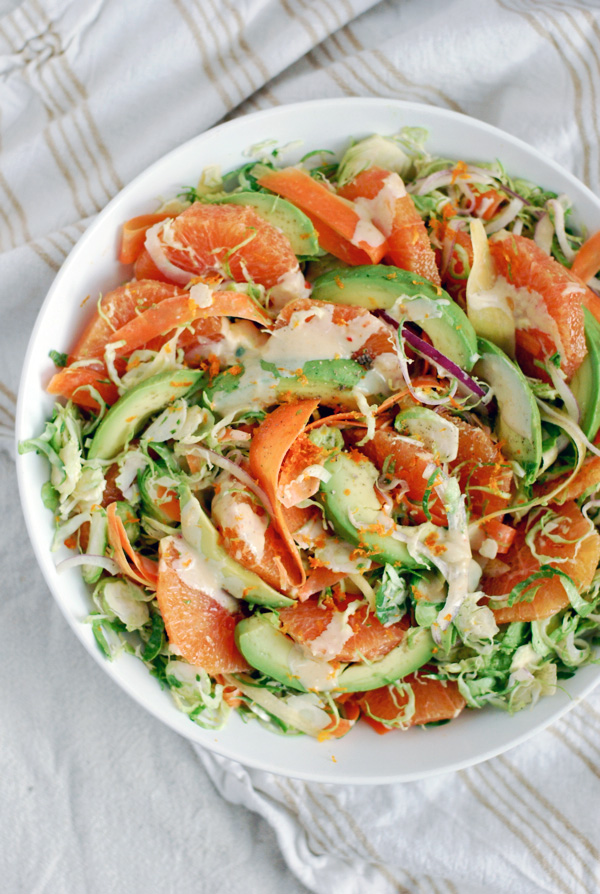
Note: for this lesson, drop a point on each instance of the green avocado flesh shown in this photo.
(518, 424)
(585, 384)
(292, 222)
(273, 653)
(128, 415)
(379, 286)
(349, 493)
(203, 537)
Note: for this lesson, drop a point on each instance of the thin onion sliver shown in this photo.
(99, 561)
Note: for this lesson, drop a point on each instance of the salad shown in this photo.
(329, 454)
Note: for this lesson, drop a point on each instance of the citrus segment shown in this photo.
(578, 546)
(75, 384)
(588, 477)
(553, 316)
(230, 239)
(435, 700)
(196, 624)
(117, 308)
(483, 473)
(317, 625)
(249, 536)
(396, 216)
(145, 268)
(409, 463)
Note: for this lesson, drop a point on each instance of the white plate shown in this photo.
(363, 756)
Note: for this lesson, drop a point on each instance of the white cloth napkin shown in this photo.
(91, 92)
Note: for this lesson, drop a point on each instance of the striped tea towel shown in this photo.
(91, 92)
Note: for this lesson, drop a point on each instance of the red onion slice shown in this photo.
(433, 354)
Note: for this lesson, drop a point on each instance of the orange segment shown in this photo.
(196, 624)
(483, 473)
(526, 266)
(73, 385)
(407, 462)
(231, 239)
(370, 641)
(119, 307)
(519, 563)
(145, 268)
(134, 235)
(434, 701)
(588, 476)
(407, 237)
(249, 537)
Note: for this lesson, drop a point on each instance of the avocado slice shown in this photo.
(518, 423)
(270, 651)
(378, 286)
(585, 384)
(134, 408)
(414, 651)
(201, 534)
(437, 434)
(292, 222)
(349, 491)
(262, 385)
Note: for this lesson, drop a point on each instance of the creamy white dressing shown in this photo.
(498, 297)
(235, 341)
(387, 366)
(239, 516)
(311, 672)
(530, 312)
(332, 552)
(202, 295)
(381, 208)
(195, 572)
(366, 233)
(437, 434)
(289, 286)
(310, 335)
(417, 309)
(337, 555)
(332, 640)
